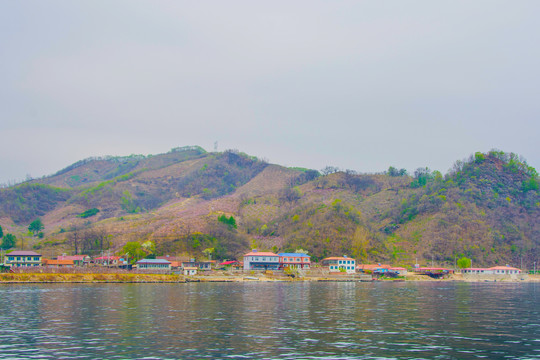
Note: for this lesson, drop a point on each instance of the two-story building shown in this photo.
(256, 260)
(20, 258)
(340, 264)
(294, 261)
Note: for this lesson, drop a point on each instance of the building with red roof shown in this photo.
(256, 260)
(340, 264)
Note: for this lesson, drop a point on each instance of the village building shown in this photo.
(57, 263)
(231, 264)
(294, 261)
(186, 261)
(496, 270)
(78, 260)
(256, 260)
(342, 264)
(154, 264)
(201, 265)
(20, 258)
(189, 270)
(109, 260)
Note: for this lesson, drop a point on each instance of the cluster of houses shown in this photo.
(254, 260)
(21, 258)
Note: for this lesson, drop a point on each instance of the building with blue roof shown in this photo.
(294, 260)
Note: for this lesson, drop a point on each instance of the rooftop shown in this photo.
(294, 254)
(260, 253)
(73, 257)
(57, 262)
(229, 262)
(153, 261)
(23, 253)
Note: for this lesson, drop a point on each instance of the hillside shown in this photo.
(486, 208)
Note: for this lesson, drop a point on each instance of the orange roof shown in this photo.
(257, 253)
(57, 262)
(503, 268)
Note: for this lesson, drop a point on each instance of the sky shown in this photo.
(359, 85)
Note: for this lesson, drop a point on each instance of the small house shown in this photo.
(78, 260)
(201, 265)
(109, 260)
(57, 263)
(190, 270)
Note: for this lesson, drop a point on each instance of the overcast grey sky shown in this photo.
(356, 84)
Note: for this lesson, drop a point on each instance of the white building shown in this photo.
(340, 264)
(256, 260)
(496, 270)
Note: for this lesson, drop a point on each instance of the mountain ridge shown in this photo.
(486, 208)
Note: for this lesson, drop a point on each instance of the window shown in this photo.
(297, 259)
(36, 259)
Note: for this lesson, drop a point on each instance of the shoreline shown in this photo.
(119, 278)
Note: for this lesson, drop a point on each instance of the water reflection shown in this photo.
(271, 321)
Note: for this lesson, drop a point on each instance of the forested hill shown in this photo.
(192, 202)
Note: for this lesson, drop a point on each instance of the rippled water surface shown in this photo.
(271, 321)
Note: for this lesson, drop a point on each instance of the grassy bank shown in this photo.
(88, 278)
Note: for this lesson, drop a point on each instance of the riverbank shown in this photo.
(11, 278)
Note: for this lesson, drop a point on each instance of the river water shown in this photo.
(406, 320)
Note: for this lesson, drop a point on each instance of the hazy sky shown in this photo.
(356, 84)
